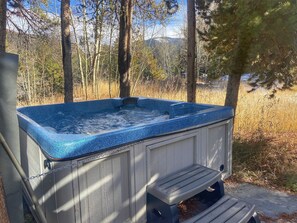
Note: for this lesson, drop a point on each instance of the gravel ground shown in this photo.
(273, 206)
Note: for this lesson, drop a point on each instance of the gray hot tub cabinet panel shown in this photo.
(111, 186)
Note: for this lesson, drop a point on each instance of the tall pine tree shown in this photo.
(256, 37)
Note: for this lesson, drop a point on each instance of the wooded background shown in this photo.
(95, 41)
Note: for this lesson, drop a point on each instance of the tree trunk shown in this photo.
(191, 74)
(66, 50)
(97, 47)
(110, 58)
(124, 57)
(2, 25)
(95, 52)
(232, 91)
(98, 58)
(86, 47)
(237, 69)
(3, 209)
(82, 75)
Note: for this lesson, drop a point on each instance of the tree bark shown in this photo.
(3, 210)
(66, 50)
(191, 74)
(237, 70)
(124, 56)
(3, 8)
(82, 75)
(232, 91)
(86, 47)
(96, 49)
(110, 58)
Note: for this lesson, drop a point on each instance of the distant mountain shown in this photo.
(170, 53)
(158, 41)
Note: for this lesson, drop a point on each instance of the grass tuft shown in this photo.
(265, 160)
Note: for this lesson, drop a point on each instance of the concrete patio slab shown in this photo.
(268, 202)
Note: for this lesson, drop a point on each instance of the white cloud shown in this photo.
(173, 28)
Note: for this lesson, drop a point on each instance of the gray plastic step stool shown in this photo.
(226, 210)
(184, 184)
(164, 195)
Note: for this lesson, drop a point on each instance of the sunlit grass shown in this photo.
(256, 111)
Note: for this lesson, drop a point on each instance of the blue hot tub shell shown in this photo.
(59, 146)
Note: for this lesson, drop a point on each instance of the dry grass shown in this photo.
(255, 112)
(265, 146)
(283, 218)
(267, 160)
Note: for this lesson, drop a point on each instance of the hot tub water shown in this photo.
(94, 123)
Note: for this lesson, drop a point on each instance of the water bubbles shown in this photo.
(101, 122)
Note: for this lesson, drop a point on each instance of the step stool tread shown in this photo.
(226, 210)
(184, 184)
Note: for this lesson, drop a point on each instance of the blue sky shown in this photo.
(177, 21)
(172, 28)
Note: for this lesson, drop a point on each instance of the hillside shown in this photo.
(170, 53)
(159, 41)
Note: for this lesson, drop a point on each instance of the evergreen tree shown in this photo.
(251, 36)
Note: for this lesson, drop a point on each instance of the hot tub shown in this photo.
(102, 154)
